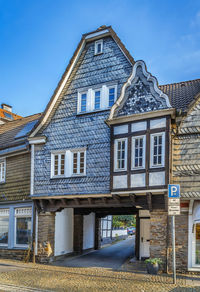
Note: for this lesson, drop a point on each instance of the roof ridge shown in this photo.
(181, 82)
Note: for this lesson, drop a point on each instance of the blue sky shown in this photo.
(38, 38)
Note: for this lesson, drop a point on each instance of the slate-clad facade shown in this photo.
(68, 130)
(90, 160)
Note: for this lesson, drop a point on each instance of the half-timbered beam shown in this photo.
(149, 201)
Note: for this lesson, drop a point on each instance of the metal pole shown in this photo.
(173, 249)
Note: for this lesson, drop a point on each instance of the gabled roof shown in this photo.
(88, 37)
(10, 130)
(182, 94)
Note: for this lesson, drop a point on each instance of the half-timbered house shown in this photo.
(16, 207)
(109, 142)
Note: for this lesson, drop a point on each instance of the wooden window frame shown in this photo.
(152, 150)
(59, 154)
(78, 152)
(133, 167)
(116, 169)
(15, 224)
(96, 52)
(6, 215)
(2, 170)
(108, 94)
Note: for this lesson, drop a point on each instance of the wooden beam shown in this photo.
(90, 201)
(132, 198)
(116, 198)
(77, 201)
(104, 200)
(64, 201)
(149, 201)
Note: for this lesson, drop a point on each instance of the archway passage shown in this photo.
(82, 233)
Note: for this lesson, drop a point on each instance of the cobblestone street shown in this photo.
(37, 277)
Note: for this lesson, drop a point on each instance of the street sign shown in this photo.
(174, 201)
(173, 209)
(173, 191)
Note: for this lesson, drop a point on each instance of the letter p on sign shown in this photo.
(174, 191)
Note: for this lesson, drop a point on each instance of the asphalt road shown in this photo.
(108, 257)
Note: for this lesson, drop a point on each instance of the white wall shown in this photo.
(64, 225)
(88, 230)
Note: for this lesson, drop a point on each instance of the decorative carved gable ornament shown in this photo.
(140, 94)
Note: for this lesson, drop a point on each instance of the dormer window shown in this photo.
(98, 47)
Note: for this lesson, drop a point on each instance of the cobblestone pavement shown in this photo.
(47, 277)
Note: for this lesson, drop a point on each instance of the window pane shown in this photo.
(62, 170)
(155, 140)
(160, 140)
(97, 100)
(75, 156)
(4, 223)
(111, 96)
(82, 156)
(23, 230)
(2, 171)
(56, 165)
(155, 160)
(83, 102)
(140, 162)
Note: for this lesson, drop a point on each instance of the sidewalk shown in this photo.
(53, 278)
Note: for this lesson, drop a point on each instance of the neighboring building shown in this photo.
(106, 229)
(6, 114)
(16, 207)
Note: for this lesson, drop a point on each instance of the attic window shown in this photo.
(98, 47)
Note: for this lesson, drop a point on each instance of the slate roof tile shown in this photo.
(182, 94)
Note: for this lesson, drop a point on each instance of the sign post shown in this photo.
(173, 209)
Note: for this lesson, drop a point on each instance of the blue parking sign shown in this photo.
(173, 191)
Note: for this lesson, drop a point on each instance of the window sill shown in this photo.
(78, 175)
(97, 54)
(2, 182)
(194, 269)
(73, 175)
(58, 176)
(120, 170)
(93, 112)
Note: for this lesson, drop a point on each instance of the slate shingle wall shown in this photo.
(67, 130)
(186, 155)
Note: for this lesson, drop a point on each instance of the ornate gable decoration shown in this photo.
(139, 94)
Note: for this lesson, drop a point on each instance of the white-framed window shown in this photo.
(79, 162)
(4, 226)
(138, 152)
(2, 170)
(97, 98)
(120, 154)
(112, 92)
(98, 47)
(83, 102)
(157, 150)
(23, 223)
(57, 164)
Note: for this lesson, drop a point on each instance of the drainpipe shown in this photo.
(35, 224)
(190, 223)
